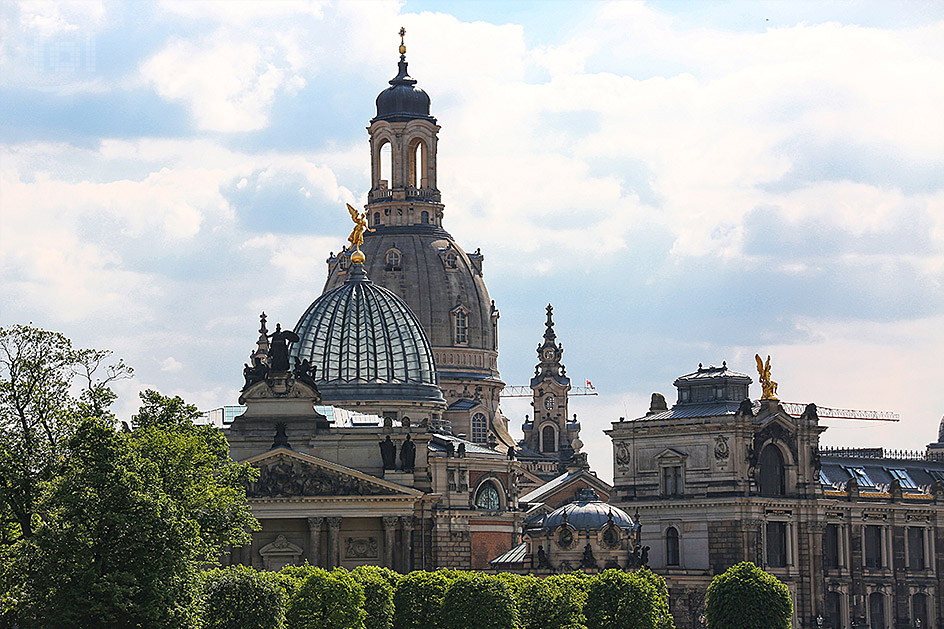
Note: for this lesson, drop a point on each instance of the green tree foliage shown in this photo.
(195, 469)
(112, 551)
(746, 597)
(378, 594)
(478, 601)
(554, 602)
(616, 600)
(238, 597)
(662, 604)
(38, 370)
(418, 600)
(327, 600)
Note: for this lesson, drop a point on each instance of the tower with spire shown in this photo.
(410, 253)
(551, 432)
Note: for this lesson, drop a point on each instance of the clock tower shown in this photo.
(550, 432)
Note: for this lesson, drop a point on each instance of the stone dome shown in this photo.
(403, 101)
(587, 513)
(365, 343)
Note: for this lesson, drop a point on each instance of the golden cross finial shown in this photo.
(402, 45)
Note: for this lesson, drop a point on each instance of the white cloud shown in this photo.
(171, 365)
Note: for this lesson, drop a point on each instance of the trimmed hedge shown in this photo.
(478, 601)
(617, 600)
(418, 599)
(239, 597)
(746, 597)
(369, 597)
(378, 584)
(327, 600)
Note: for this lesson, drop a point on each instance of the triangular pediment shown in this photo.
(671, 453)
(284, 473)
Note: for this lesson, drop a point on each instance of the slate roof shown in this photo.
(588, 515)
(438, 444)
(710, 409)
(922, 473)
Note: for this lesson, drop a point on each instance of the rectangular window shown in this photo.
(672, 480)
(831, 546)
(902, 477)
(776, 544)
(915, 548)
(873, 547)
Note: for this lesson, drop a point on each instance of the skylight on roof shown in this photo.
(903, 478)
(860, 475)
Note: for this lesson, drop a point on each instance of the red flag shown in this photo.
(589, 384)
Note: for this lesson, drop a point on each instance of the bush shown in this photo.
(290, 578)
(552, 603)
(662, 604)
(378, 584)
(327, 600)
(241, 598)
(746, 597)
(418, 600)
(616, 600)
(478, 601)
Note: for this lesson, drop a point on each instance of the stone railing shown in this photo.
(882, 453)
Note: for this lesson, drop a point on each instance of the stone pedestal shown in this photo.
(400, 478)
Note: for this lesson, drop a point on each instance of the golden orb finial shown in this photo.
(402, 45)
(358, 257)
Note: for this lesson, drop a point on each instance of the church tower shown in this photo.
(550, 432)
(410, 253)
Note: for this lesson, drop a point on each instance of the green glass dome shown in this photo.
(366, 344)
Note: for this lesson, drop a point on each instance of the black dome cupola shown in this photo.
(403, 101)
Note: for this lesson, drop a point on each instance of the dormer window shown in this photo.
(452, 260)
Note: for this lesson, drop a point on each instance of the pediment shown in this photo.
(671, 454)
(284, 473)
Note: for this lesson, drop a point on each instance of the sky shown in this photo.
(686, 182)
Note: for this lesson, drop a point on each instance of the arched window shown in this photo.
(479, 428)
(393, 260)
(772, 481)
(877, 610)
(462, 327)
(487, 497)
(833, 609)
(376, 218)
(386, 164)
(919, 609)
(548, 439)
(424, 217)
(417, 163)
(671, 546)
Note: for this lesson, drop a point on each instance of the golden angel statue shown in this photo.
(360, 226)
(768, 385)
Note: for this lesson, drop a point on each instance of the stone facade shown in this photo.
(718, 479)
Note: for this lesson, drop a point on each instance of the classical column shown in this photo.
(406, 563)
(390, 534)
(334, 547)
(314, 540)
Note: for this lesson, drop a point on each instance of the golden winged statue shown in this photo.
(360, 226)
(768, 385)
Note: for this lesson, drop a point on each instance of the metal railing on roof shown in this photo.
(882, 453)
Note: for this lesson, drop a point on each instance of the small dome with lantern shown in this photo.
(588, 513)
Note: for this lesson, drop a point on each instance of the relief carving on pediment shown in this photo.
(286, 478)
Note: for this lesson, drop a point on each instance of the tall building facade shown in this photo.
(857, 535)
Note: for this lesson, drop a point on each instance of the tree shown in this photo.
(662, 603)
(239, 597)
(418, 600)
(554, 602)
(112, 550)
(327, 600)
(378, 594)
(37, 411)
(193, 466)
(617, 599)
(746, 597)
(478, 601)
